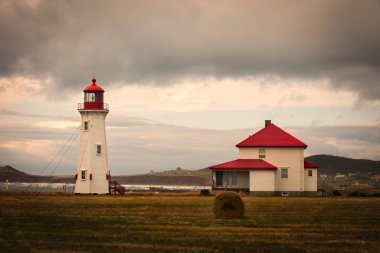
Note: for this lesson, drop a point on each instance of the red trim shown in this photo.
(309, 165)
(93, 105)
(244, 164)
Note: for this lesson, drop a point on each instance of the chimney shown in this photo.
(267, 122)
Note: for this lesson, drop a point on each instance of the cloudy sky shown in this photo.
(187, 80)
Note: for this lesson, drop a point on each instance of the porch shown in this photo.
(230, 180)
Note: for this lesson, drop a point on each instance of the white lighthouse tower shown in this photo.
(92, 175)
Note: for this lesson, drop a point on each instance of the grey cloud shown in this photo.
(165, 41)
(15, 113)
(123, 121)
(17, 131)
(364, 134)
(359, 142)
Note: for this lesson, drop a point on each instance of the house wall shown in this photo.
(261, 181)
(291, 158)
(311, 182)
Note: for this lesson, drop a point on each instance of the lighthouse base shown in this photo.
(91, 187)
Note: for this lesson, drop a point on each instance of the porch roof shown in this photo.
(245, 164)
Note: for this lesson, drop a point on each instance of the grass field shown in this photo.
(175, 223)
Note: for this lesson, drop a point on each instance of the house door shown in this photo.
(219, 179)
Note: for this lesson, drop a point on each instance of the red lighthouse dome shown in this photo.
(93, 87)
(93, 98)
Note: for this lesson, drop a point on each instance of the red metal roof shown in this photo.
(271, 136)
(93, 87)
(310, 165)
(245, 164)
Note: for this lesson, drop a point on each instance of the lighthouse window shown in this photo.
(90, 97)
(83, 175)
(85, 126)
(98, 149)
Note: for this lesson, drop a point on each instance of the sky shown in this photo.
(187, 80)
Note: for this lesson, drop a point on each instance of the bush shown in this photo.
(228, 205)
(357, 194)
(337, 193)
(375, 194)
(205, 192)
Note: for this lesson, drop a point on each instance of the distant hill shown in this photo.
(172, 177)
(12, 175)
(329, 164)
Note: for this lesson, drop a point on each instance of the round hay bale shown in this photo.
(228, 205)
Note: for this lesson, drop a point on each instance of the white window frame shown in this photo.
(262, 152)
(309, 173)
(283, 175)
(83, 173)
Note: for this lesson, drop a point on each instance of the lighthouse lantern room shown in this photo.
(92, 174)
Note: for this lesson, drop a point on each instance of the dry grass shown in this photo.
(176, 223)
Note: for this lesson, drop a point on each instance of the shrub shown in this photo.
(228, 205)
(375, 194)
(205, 192)
(337, 193)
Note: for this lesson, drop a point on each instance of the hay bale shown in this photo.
(228, 205)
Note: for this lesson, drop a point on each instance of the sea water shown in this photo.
(63, 187)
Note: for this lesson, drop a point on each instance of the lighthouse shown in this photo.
(92, 173)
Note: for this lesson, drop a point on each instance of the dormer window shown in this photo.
(262, 152)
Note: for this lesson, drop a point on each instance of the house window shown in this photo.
(284, 173)
(310, 173)
(83, 175)
(261, 152)
(85, 126)
(98, 149)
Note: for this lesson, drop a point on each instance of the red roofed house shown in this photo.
(271, 162)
